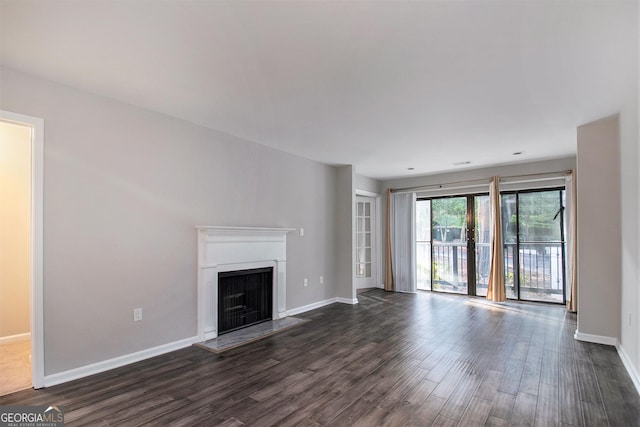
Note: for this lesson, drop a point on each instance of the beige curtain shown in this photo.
(572, 234)
(388, 264)
(496, 290)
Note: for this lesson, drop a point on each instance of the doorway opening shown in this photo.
(15, 240)
(21, 249)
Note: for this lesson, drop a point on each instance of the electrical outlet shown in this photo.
(301, 231)
(306, 282)
(321, 280)
(137, 314)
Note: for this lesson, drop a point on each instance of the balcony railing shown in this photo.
(540, 267)
(450, 267)
(541, 270)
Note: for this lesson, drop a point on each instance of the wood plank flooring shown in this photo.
(393, 359)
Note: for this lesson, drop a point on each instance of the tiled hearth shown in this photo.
(252, 333)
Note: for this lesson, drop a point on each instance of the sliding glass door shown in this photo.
(539, 243)
(482, 243)
(509, 209)
(452, 244)
(453, 251)
(423, 244)
(449, 245)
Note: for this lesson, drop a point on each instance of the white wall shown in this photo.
(630, 219)
(631, 335)
(368, 184)
(599, 229)
(124, 188)
(15, 213)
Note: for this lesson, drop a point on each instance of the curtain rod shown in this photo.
(477, 182)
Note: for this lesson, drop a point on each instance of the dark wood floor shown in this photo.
(394, 359)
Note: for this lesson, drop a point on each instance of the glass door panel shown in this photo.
(541, 246)
(482, 243)
(510, 243)
(449, 242)
(423, 244)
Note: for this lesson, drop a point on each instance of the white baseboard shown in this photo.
(14, 338)
(626, 361)
(116, 362)
(96, 368)
(596, 339)
(310, 307)
(320, 304)
(347, 300)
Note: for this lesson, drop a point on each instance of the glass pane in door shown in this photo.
(449, 241)
(363, 239)
(423, 244)
(541, 246)
(483, 243)
(510, 240)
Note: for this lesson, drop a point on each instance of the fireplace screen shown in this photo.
(244, 298)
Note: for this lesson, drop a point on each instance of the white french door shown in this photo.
(365, 242)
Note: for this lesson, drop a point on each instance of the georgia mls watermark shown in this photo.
(31, 416)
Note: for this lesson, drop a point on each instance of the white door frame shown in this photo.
(37, 247)
(377, 236)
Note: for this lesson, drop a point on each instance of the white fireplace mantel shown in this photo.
(238, 248)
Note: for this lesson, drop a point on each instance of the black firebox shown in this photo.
(244, 298)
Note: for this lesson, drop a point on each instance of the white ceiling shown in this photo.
(380, 85)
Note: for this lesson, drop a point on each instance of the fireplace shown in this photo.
(231, 249)
(244, 298)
